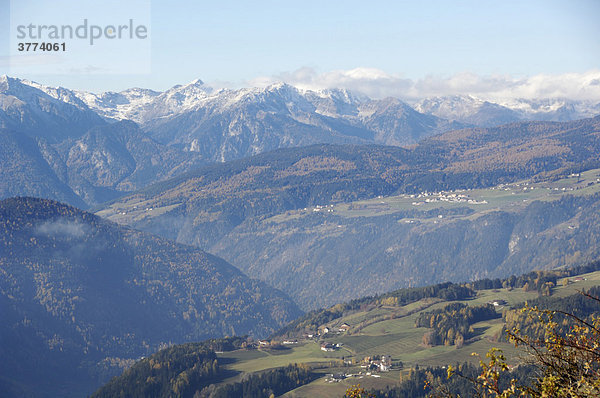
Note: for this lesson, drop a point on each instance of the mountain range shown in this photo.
(54, 146)
(485, 113)
(81, 148)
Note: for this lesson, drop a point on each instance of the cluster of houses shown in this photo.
(446, 197)
(371, 366)
(321, 332)
(324, 330)
(344, 327)
(327, 209)
(454, 197)
(337, 377)
(378, 364)
(272, 344)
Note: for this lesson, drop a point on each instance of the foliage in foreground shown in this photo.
(567, 363)
(563, 359)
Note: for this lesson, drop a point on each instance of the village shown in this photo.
(451, 197)
(369, 366)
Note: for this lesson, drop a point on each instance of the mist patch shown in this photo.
(63, 228)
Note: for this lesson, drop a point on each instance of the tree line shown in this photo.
(451, 325)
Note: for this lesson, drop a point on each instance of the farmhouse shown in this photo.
(327, 347)
(344, 327)
(323, 330)
(381, 364)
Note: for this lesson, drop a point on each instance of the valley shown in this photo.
(300, 218)
(307, 199)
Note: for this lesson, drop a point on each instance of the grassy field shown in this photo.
(398, 338)
(322, 388)
(255, 360)
(133, 211)
(503, 197)
(589, 280)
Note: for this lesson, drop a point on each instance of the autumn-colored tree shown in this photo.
(356, 391)
(568, 363)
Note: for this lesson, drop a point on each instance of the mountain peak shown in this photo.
(7, 82)
(279, 86)
(3, 83)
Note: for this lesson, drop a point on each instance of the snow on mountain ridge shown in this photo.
(549, 106)
(142, 105)
(450, 107)
(476, 111)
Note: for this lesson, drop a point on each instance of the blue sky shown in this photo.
(236, 43)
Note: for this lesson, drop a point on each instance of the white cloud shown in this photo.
(63, 228)
(378, 84)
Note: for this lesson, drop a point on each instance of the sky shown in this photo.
(398, 48)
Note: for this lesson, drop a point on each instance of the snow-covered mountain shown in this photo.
(229, 124)
(467, 109)
(53, 145)
(144, 105)
(478, 112)
(141, 105)
(53, 115)
(74, 146)
(80, 147)
(553, 109)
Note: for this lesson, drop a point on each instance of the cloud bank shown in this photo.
(378, 84)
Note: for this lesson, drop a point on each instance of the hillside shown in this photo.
(194, 369)
(369, 247)
(82, 297)
(388, 329)
(36, 113)
(349, 210)
(24, 171)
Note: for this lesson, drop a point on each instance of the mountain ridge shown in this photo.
(94, 158)
(467, 109)
(89, 296)
(54, 146)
